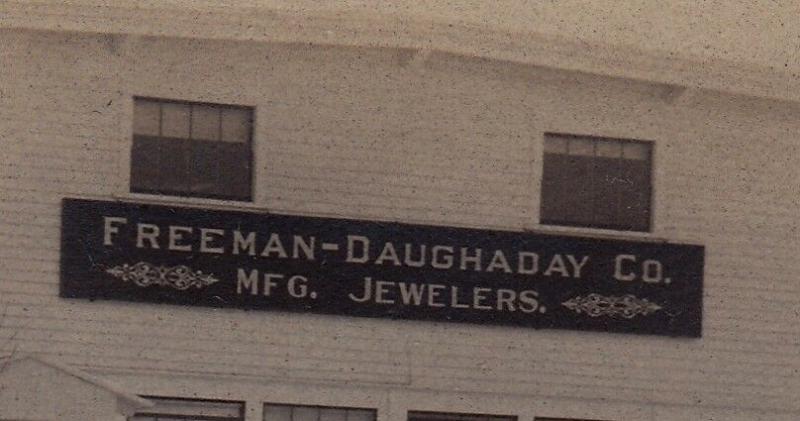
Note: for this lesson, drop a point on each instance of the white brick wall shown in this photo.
(363, 133)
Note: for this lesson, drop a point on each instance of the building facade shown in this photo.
(175, 122)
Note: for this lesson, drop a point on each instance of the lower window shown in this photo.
(561, 419)
(281, 412)
(177, 409)
(445, 416)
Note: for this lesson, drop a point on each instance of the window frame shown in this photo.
(190, 195)
(146, 412)
(564, 419)
(613, 227)
(456, 416)
(374, 411)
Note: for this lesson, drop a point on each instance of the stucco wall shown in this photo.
(390, 135)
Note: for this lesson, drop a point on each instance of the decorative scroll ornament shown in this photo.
(626, 306)
(144, 274)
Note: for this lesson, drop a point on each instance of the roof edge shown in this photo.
(370, 29)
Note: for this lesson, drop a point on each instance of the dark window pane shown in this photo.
(160, 165)
(567, 190)
(635, 193)
(607, 194)
(204, 173)
(145, 163)
(234, 163)
(174, 165)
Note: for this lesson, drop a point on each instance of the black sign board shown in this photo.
(199, 257)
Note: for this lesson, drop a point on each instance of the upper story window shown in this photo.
(279, 412)
(596, 182)
(561, 419)
(445, 416)
(167, 409)
(192, 149)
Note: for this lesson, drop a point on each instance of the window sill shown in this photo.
(601, 233)
(196, 202)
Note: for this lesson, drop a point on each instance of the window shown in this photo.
(443, 416)
(191, 149)
(278, 412)
(175, 409)
(561, 419)
(596, 182)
